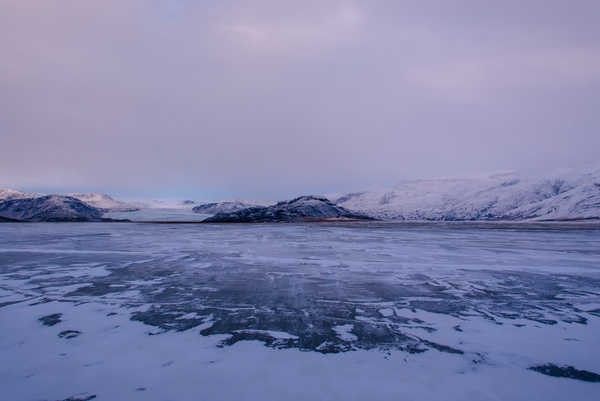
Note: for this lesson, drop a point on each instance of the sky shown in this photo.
(272, 99)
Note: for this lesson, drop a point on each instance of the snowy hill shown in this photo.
(99, 201)
(497, 197)
(49, 208)
(104, 202)
(304, 208)
(222, 207)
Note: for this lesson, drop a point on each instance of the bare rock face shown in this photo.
(304, 208)
(49, 208)
(221, 207)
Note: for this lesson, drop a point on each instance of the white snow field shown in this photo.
(321, 311)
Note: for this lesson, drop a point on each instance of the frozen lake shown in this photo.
(364, 311)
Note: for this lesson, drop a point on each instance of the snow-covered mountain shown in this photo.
(506, 196)
(49, 208)
(222, 207)
(9, 194)
(303, 208)
(100, 201)
(498, 197)
(104, 202)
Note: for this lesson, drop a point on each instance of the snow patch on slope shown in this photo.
(104, 202)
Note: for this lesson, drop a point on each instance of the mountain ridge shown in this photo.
(49, 208)
(222, 207)
(302, 208)
(498, 197)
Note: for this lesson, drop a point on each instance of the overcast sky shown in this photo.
(269, 99)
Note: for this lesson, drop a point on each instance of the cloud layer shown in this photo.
(272, 98)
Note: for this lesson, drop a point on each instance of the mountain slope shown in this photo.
(498, 197)
(104, 202)
(49, 208)
(221, 207)
(304, 208)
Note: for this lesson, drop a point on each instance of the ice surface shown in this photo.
(297, 311)
(158, 214)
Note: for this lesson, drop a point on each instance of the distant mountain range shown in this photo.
(507, 196)
(102, 202)
(497, 197)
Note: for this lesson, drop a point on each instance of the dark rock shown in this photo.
(68, 334)
(81, 398)
(51, 320)
(568, 372)
(7, 220)
(442, 347)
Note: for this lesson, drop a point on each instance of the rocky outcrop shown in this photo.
(49, 208)
(304, 208)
